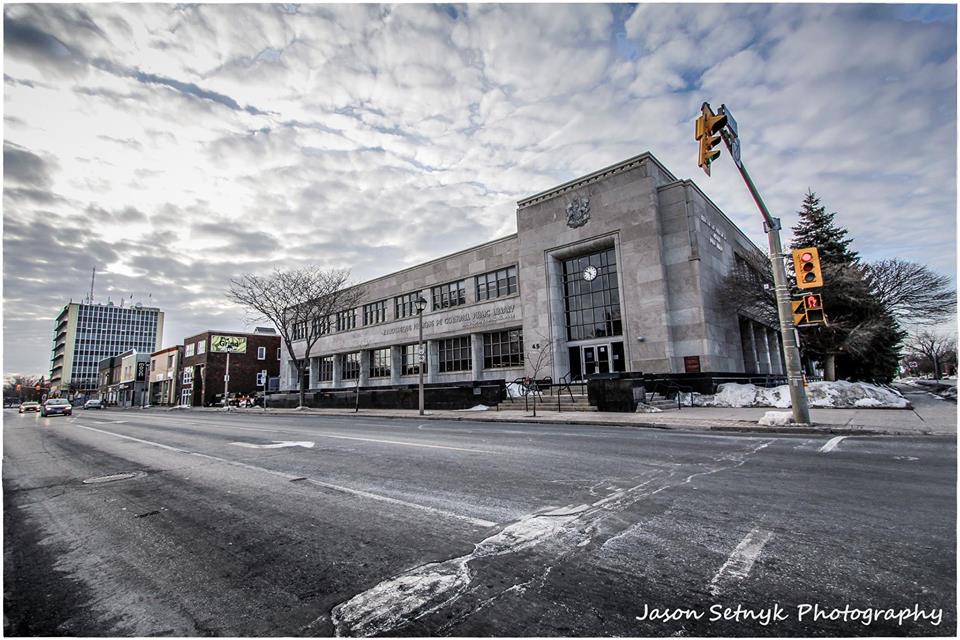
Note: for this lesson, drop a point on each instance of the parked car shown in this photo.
(29, 406)
(93, 404)
(56, 407)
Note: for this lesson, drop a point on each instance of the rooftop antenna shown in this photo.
(93, 278)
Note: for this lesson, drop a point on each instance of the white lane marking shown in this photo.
(831, 444)
(401, 443)
(277, 444)
(288, 476)
(741, 559)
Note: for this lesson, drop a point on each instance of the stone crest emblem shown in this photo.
(578, 212)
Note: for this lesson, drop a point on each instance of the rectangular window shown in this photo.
(320, 326)
(591, 296)
(185, 397)
(300, 330)
(497, 284)
(188, 376)
(351, 365)
(261, 353)
(455, 355)
(347, 320)
(374, 313)
(326, 369)
(189, 350)
(380, 363)
(170, 361)
(201, 347)
(278, 353)
(503, 349)
(406, 305)
(449, 295)
(411, 360)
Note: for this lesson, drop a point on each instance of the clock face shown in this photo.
(590, 273)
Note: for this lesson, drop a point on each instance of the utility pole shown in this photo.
(708, 125)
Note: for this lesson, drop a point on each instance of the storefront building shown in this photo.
(165, 375)
(616, 271)
(204, 366)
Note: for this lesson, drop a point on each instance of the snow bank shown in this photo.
(647, 408)
(826, 395)
(514, 390)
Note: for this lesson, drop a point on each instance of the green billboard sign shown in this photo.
(231, 344)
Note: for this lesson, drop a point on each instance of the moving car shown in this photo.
(93, 404)
(29, 406)
(56, 407)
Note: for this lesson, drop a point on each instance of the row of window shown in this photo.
(489, 286)
(500, 349)
(201, 347)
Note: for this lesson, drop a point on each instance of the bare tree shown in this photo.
(748, 288)
(22, 387)
(299, 302)
(911, 291)
(930, 345)
(539, 360)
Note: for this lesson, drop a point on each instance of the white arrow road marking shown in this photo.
(741, 559)
(287, 476)
(831, 444)
(277, 444)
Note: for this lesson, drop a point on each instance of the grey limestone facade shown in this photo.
(618, 270)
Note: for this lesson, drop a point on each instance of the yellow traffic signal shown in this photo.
(806, 264)
(707, 132)
(799, 315)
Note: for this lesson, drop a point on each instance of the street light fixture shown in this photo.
(420, 304)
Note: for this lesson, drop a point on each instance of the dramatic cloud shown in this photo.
(176, 146)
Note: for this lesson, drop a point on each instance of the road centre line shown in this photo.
(831, 444)
(288, 476)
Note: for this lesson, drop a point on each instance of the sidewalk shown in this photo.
(927, 419)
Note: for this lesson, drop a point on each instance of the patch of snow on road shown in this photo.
(776, 418)
(834, 395)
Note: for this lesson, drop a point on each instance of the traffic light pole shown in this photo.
(798, 395)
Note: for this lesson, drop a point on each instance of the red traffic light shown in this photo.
(806, 263)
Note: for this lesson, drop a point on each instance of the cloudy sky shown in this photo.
(175, 146)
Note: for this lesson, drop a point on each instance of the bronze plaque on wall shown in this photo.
(691, 364)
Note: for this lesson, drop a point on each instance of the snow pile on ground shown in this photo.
(776, 418)
(647, 408)
(514, 390)
(479, 407)
(825, 395)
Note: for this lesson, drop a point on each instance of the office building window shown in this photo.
(374, 313)
(351, 365)
(497, 284)
(189, 349)
(261, 353)
(380, 363)
(347, 320)
(411, 359)
(326, 369)
(300, 330)
(455, 355)
(320, 326)
(201, 347)
(503, 349)
(406, 305)
(449, 295)
(188, 376)
(591, 296)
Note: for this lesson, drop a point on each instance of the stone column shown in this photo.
(396, 364)
(314, 380)
(751, 363)
(763, 351)
(433, 361)
(773, 346)
(476, 355)
(337, 370)
(364, 368)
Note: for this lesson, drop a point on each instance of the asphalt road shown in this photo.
(394, 527)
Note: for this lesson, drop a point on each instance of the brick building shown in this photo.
(205, 361)
(164, 375)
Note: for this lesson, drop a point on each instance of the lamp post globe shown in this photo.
(420, 304)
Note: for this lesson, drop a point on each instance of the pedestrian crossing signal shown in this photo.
(814, 308)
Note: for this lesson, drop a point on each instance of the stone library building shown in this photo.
(616, 271)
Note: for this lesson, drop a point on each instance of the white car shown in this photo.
(93, 404)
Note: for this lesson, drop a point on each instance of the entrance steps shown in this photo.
(549, 403)
(661, 402)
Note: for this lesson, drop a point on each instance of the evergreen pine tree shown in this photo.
(816, 229)
(860, 340)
